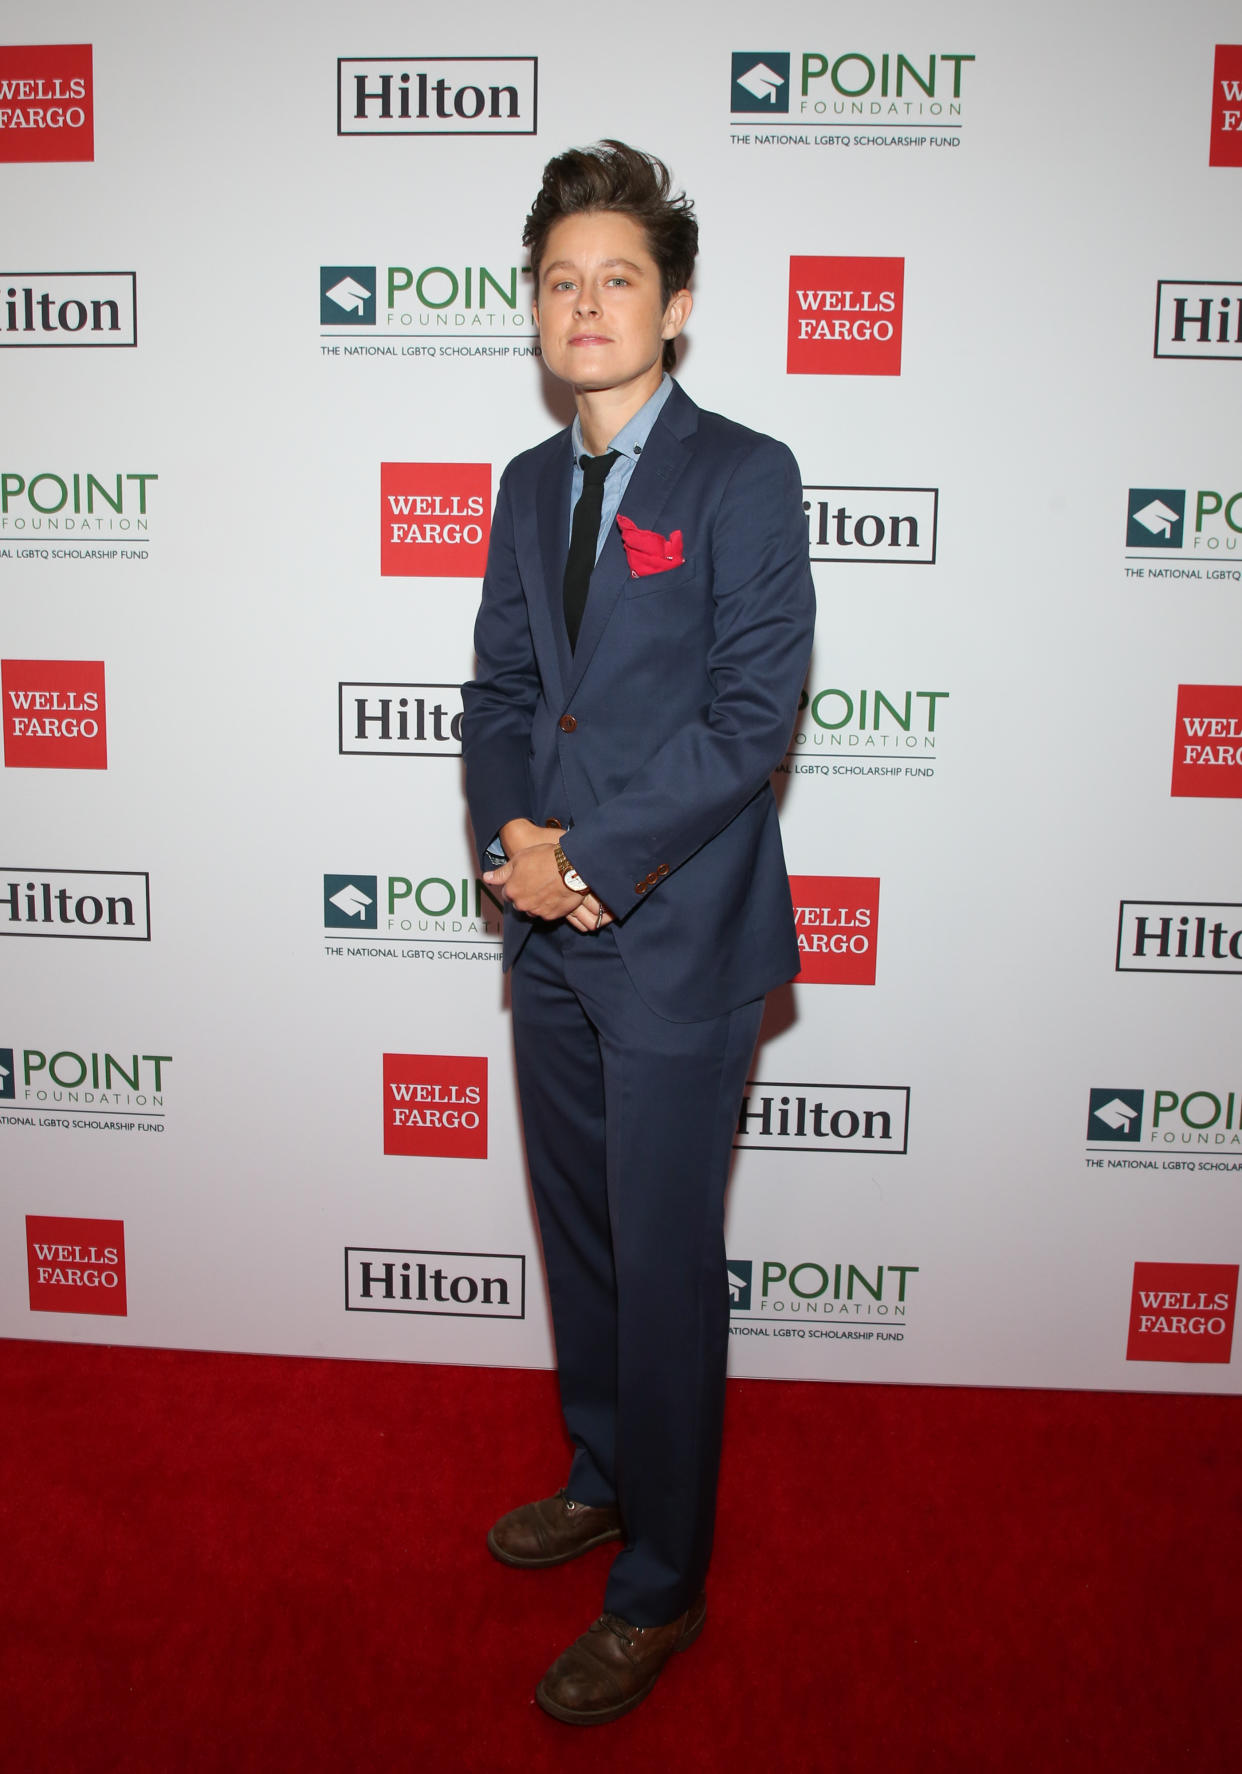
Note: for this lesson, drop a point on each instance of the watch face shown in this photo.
(573, 880)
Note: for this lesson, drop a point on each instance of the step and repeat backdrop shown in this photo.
(267, 345)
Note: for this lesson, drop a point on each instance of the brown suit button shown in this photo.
(662, 870)
(567, 723)
(652, 879)
(640, 886)
(554, 825)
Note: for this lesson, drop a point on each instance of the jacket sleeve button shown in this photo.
(662, 870)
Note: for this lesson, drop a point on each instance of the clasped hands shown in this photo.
(531, 881)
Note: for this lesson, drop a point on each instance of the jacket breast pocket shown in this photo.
(670, 581)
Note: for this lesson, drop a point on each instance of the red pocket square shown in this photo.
(649, 552)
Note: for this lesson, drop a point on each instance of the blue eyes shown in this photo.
(567, 283)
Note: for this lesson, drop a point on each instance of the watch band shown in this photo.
(568, 873)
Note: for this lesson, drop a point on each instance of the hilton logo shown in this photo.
(888, 526)
(1179, 936)
(113, 906)
(447, 1283)
(1198, 320)
(68, 308)
(437, 95)
(824, 1118)
(399, 720)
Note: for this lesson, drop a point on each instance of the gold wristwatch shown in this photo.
(569, 874)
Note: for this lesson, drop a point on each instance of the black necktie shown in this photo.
(584, 539)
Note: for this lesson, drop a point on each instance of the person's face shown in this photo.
(601, 316)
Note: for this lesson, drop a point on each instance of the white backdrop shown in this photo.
(1035, 223)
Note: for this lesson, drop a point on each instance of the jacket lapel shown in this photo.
(657, 473)
(552, 524)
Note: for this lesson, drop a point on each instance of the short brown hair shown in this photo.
(613, 176)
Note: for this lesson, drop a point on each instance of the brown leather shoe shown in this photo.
(551, 1532)
(614, 1666)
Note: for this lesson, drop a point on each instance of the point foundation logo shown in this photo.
(1157, 533)
(868, 721)
(442, 1283)
(476, 302)
(852, 91)
(1182, 1312)
(43, 515)
(760, 82)
(1198, 319)
(860, 1302)
(437, 95)
(47, 104)
(76, 1265)
(845, 316)
(1197, 1121)
(405, 912)
(1155, 517)
(347, 295)
(435, 1105)
(1207, 744)
(1115, 1116)
(1179, 936)
(54, 714)
(838, 923)
(435, 519)
(1226, 139)
(55, 1088)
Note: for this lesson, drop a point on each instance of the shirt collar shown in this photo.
(632, 437)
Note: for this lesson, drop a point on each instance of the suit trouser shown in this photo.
(629, 1123)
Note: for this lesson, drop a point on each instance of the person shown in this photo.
(642, 641)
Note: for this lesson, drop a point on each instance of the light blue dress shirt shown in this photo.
(629, 443)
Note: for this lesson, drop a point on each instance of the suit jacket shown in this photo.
(653, 742)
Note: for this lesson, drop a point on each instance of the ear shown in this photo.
(676, 314)
(534, 313)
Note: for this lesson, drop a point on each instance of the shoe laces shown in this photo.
(618, 1627)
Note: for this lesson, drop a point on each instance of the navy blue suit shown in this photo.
(652, 745)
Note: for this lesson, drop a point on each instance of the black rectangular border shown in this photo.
(532, 59)
(63, 935)
(835, 560)
(381, 684)
(103, 344)
(509, 1256)
(1224, 283)
(1197, 972)
(831, 1151)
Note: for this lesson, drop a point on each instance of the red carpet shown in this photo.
(237, 1563)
